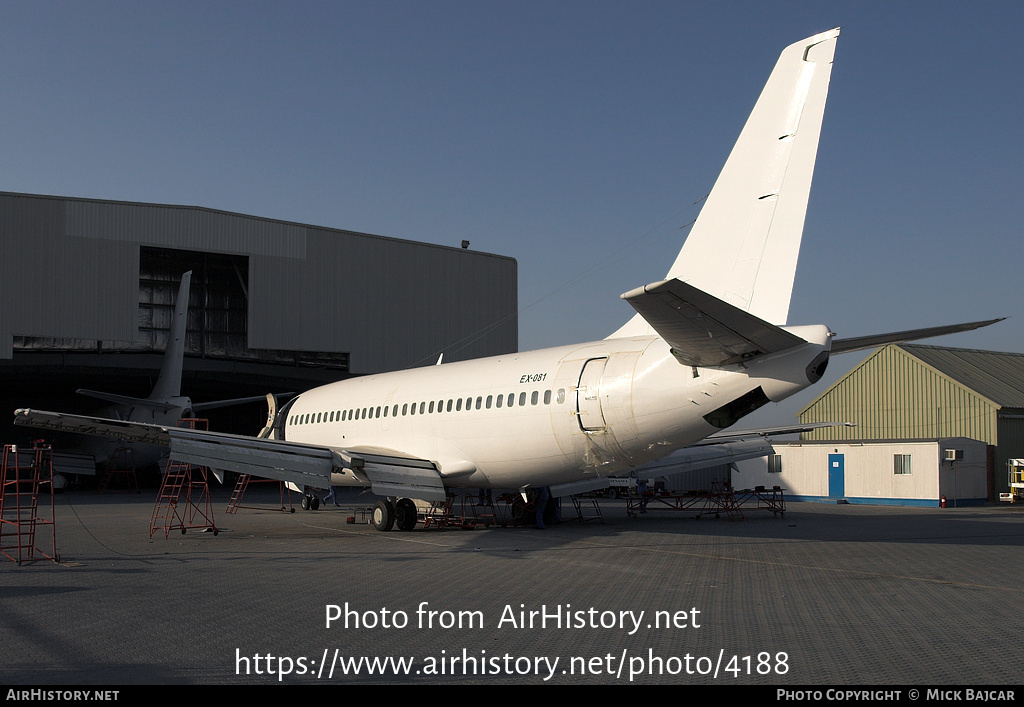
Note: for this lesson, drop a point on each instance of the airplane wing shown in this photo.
(388, 472)
(702, 329)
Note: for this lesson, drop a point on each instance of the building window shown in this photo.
(900, 464)
(774, 463)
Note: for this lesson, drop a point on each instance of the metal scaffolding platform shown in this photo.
(720, 500)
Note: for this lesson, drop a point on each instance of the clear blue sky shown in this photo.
(573, 136)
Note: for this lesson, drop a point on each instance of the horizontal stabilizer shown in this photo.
(703, 330)
(161, 405)
(896, 337)
(706, 456)
(196, 407)
(719, 437)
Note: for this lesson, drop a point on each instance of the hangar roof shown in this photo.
(996, 376)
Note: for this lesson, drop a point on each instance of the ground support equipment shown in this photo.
(482, 508)
(184, 499)
(441, 515)
(763, 499)
(242, 485)
(25, 473)
(1015, 481)
(719, 500)
(121, 463)
(580, 501)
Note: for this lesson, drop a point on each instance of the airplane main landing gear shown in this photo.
(405, 514)
(383, 517)
(310, 502)
(389, 512)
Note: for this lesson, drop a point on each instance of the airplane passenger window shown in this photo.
(534, 397)
(449, 405)
(547, 397)
(422, 407)
(318, 416)
(412, 409)
(394, 411)
(488, 403)
(458, 405)
(499, 400)
(440, 406)
(511, 400)
(385, 411)
(479, 401)
(522, 399)
(405, 408)
(469, 403)
(560, 396)
(431, 408)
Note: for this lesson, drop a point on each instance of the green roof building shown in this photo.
(911, 391)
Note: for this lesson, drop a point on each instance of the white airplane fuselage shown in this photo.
(548, 416)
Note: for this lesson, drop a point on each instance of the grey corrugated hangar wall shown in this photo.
(71, 271)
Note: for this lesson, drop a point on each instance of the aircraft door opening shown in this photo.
(588, 396)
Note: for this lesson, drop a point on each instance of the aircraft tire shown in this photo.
(314, 503)
(405, 514)
(383, 517)
(304, 503)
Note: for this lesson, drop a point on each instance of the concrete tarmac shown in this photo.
(828, 595)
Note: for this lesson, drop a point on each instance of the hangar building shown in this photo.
(88, 288)
(917, 392)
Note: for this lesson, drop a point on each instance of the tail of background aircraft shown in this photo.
(744, 246)
(168, 384)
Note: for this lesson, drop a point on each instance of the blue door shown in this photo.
(836, 478)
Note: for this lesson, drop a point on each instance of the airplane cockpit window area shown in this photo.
(433, 407)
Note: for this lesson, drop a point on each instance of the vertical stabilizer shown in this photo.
(743, 247)
(168, 385)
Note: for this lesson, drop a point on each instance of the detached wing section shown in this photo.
(96, 426)
(702, 329)
(389, 473)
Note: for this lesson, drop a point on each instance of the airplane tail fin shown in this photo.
(744, 246)
(169, 383)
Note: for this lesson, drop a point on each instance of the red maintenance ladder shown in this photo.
(242, 485)
(121, 463)
(25, 473)
(184, 501)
